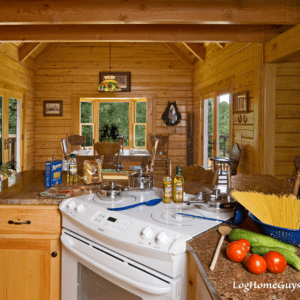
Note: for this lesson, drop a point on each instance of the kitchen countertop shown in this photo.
(25, 188)
(226, 282)
(230, 280)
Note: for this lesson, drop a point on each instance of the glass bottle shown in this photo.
(72, 171)
(167, 189)
(178, 186)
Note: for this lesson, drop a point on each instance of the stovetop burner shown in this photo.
(169, 216)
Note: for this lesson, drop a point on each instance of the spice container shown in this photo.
(167, 189)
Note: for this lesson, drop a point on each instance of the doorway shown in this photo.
(11, 143)
(216, 127)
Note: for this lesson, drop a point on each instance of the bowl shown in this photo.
(289, 236)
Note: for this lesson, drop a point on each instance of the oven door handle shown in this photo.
(152, 289)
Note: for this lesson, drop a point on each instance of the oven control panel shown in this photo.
(114, 224)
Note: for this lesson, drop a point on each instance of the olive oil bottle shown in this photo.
(178, 186)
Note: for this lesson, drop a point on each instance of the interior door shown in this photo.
(11, 131)
(216, 126)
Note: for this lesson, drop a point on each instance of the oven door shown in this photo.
(92, 271)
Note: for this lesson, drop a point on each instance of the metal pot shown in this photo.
(214, 201)
(110, 192)
(141, 180)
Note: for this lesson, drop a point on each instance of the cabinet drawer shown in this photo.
(39, 219)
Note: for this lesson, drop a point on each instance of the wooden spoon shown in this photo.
(224, 230)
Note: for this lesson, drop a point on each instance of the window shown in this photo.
(105, 119)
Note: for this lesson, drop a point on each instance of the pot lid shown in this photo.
(140, 173)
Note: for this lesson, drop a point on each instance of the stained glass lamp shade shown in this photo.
(109, 85)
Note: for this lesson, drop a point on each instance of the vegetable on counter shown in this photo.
(245, 243)
(257, 239)
(236, 252)
(256, 264)
(276, 262)
(291, 258)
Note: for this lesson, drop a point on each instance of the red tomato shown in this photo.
(276, 262)
(245, 244)
(236, 252)
(256, 264)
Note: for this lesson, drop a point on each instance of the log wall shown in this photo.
(241, 62)
(287, 118)
(20, 77)
(74, 68)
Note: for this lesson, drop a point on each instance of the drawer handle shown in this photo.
(19, 223)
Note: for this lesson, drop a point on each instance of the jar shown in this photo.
(167, 181)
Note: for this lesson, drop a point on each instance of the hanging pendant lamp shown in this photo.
(109, 84)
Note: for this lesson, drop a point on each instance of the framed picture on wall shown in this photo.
(240, 102)
(53, 108)
(123, 78)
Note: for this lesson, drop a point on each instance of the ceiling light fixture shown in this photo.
(109, 84)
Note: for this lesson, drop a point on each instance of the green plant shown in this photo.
(5, 168)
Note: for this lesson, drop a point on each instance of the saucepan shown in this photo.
(140, 180)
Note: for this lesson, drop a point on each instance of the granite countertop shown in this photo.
(231, 281)
(25, 188)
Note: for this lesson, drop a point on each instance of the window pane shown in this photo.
(139, 134)
(1, 133)
(12, 130)
(113, 121)
(86, 112)
(140, 112)
(87, 130)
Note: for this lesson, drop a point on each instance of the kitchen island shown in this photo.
(229, 280)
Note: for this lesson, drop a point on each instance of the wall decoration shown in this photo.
(240, 102)
(123, 78)
(53, 108)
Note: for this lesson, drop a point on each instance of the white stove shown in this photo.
(152, 238)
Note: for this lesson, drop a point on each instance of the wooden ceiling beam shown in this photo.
(181, 55)
(283, 47)
(16, 12)
(198, 50)
(42, 57)
(26, 49)
(139, 33)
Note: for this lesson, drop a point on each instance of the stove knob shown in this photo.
(147, 233)
(162, 238)
(72, 205)
(80, 208)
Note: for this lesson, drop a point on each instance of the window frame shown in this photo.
(132, 117)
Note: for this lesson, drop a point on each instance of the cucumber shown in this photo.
(291, 258)
(257, 239)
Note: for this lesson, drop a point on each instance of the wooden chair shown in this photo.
(111, 153)
(199, 174)
(76, 141)
(233, 161)
(266, 184)
(162, 162)
(153, 154)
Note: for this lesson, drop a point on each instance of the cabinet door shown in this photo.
(29, 270)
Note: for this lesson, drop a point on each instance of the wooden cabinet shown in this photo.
(30, 254)
(197, 288)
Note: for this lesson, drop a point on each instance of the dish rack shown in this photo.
(289, 236)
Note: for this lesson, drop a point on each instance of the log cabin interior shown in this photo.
(176, 51)
(47, 54)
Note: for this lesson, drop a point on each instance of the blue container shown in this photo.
(53, 173)
(240, 214)
(289, 236)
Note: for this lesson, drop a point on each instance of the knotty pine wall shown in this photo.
(20, 77)
(287, 118)
(74, 68)
(240, 61)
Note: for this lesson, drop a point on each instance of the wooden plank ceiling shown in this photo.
(38, 28)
